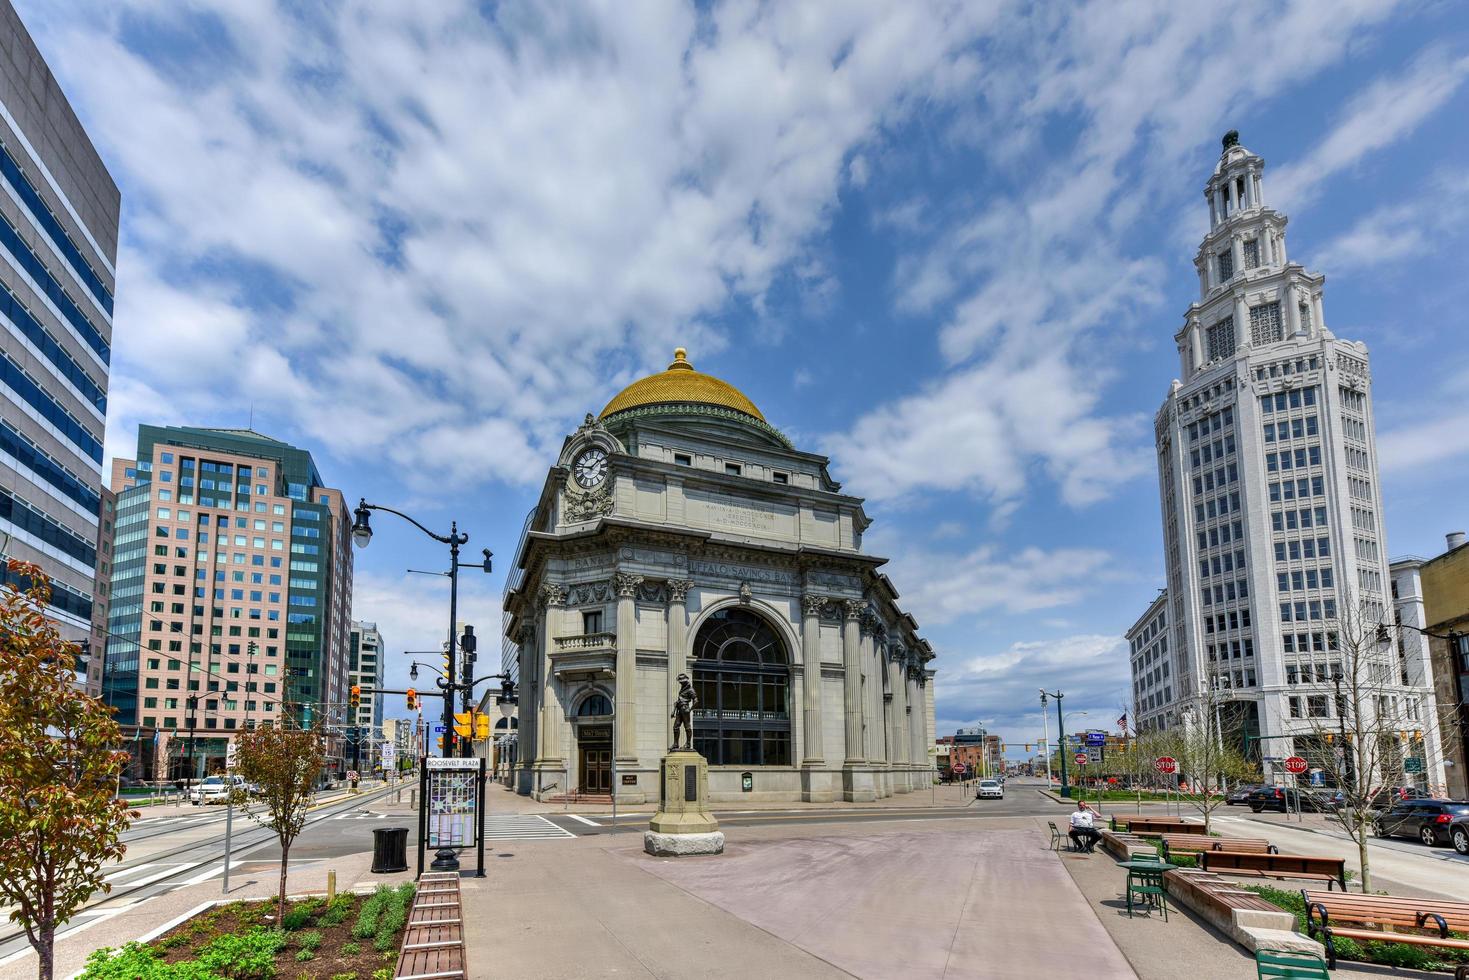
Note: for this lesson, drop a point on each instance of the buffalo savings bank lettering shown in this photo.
(742, 572)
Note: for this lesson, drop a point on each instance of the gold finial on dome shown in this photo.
(680, 384)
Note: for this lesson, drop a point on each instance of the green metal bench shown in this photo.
(1058, 838)
(1289, 964)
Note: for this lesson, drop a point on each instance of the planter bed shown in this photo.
(1390, 954)
(353, 937)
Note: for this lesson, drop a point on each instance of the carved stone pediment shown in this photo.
(587, 506)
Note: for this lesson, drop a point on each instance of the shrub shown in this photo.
(344, 976)
(300, 914)
(302, 955)
(382, 974)
(132, 962)
(350, 949)
(367, 916)
(243, 956)
(337, 910)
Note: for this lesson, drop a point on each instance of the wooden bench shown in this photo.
(1194, 843)
(1155, 826)
(1386, 919)
(433, 941)
(1332, 870)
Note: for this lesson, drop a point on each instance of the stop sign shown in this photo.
(1295, 764)
(1166, 764)
(957, 769)
(1081, 758)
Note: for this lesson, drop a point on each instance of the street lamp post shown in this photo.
(1046, 745)
(362, 536)
(189, 768)
(1060, 738)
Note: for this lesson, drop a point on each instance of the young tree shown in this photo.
(60, 820)
(284, 763)
(1208, 760)
(1363, 728)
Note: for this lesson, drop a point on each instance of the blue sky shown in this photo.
(946, 243)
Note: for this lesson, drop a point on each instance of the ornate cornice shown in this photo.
(710, 411)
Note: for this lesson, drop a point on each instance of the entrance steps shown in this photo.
(576, 796)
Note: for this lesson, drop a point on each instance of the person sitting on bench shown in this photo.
(1082, 833)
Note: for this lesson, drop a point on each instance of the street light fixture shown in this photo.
(362, 537)
(1060, 737)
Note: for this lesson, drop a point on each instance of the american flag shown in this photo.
(1122, 723)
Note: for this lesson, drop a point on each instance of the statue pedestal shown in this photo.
(683, 823)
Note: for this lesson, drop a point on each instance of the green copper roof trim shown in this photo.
(709, 411)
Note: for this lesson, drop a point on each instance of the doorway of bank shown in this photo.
(594, 750)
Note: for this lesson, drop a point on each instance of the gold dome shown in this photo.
(681, 384)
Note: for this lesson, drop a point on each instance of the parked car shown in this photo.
(1241, 795)
(1386, 796)
(1288, 798)
(1428, 820)
(1459, 834)
(990, 789)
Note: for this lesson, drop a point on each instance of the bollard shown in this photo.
(331, 885)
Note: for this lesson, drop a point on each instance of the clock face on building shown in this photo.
(590, 468)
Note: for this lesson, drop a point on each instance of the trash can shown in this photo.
(389, 850)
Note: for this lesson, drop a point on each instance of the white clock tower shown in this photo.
(1271, 510)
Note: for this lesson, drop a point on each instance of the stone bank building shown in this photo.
(680, 532)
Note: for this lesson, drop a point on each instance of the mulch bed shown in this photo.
(338, 955)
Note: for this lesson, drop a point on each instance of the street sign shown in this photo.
(1165, 764)
(1080, 759)
(1096, 738)
(438, 729)
(1412, 764)
(1295, 764)
(957, 769)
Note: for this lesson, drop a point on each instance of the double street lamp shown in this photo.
(362, 536)
(1060, 736)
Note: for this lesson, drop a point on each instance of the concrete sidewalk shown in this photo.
(932, 900)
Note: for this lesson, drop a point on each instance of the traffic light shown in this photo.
(355, 697)
(412, 699)
(441, 743)
(463, 722)
(481, 725)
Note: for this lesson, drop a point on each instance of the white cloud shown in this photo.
(1396, 232)
(1383, 113)
(431, 225)
(1002, 687)
(1424, 442)
(1101, 108)
(943, 586)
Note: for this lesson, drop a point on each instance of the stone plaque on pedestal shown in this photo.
(683, 823)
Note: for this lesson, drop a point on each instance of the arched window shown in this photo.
(595, 706)
(742, 679)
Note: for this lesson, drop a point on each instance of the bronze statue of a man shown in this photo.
(683, 713)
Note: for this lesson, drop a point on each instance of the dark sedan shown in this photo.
(1428, 820)
(1241, 795)
(1287, 799)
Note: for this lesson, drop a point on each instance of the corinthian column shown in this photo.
(811, 606)
(678, 631)
(548, 717)
(916, 724)
(852, 679)
(627, 668)
(897, 717)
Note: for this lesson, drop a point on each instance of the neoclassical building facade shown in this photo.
(679, 532)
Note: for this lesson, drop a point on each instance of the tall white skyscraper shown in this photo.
(1267, 468)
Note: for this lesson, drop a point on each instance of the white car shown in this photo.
(216, 789)
(990, 789)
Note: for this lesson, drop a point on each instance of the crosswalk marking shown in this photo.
(522, 826)
(360, 816)
(581, 819)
